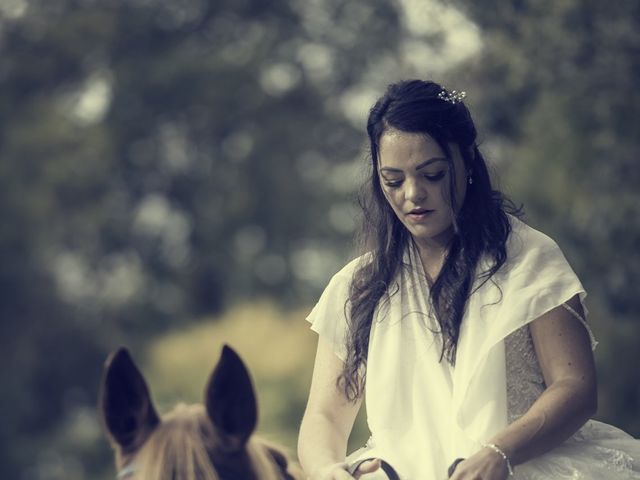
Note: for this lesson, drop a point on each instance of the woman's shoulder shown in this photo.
(529, 250)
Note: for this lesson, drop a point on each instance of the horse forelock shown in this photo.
(185, 446)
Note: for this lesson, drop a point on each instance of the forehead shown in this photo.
(399, 149)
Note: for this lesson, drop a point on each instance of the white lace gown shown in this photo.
(423, 413)
(596, 451)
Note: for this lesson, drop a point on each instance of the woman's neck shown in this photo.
(432, 256)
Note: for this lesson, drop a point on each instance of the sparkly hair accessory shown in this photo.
(452, 97)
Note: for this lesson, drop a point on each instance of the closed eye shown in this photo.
(393, 183)
(435, 177)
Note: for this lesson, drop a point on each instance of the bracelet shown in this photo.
(499, 451)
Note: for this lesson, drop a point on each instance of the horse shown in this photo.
(209, 441)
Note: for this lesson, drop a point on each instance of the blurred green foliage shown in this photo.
(164, 162)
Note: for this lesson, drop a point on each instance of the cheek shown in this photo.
(440, 191)
(392, 197)
(443, 190)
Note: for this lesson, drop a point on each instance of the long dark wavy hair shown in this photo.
(481, 225)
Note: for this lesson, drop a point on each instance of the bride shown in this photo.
(463, 327)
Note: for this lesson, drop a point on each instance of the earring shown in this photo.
(470, 180)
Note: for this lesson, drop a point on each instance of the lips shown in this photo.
(419, 211)
(419, 215)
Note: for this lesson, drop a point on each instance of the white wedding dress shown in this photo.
(596, 451)
(423, 413)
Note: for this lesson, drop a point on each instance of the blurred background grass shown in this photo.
(277, 347)
(179, 174)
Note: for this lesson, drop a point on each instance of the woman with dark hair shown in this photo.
(462, 326)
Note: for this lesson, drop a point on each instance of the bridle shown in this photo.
(392, 474)
(129, 470)
(386, 468)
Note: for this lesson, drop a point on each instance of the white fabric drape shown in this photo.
(422, 412)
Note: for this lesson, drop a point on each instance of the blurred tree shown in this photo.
(158, 158)
(557, 81)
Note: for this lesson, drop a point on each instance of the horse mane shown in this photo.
(185, 446)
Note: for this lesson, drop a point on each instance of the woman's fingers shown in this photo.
(483, 465)
(368, 467)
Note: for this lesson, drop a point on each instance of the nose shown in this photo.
(415, 193)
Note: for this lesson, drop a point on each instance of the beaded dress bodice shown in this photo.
(525, 382)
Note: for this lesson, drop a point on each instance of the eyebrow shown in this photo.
(419, 166)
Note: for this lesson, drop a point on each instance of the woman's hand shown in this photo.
(367, 467)
(338, 471)
(484, 465)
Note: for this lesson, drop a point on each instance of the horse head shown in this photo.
(209, 441)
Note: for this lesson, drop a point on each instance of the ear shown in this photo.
(125, 404)
(230, 400)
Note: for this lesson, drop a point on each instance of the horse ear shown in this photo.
(230, 400)
(125, 403)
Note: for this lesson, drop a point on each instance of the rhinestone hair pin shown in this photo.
(452, 97)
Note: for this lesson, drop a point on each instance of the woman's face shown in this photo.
(415, 174)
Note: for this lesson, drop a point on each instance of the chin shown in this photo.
(427, 234)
